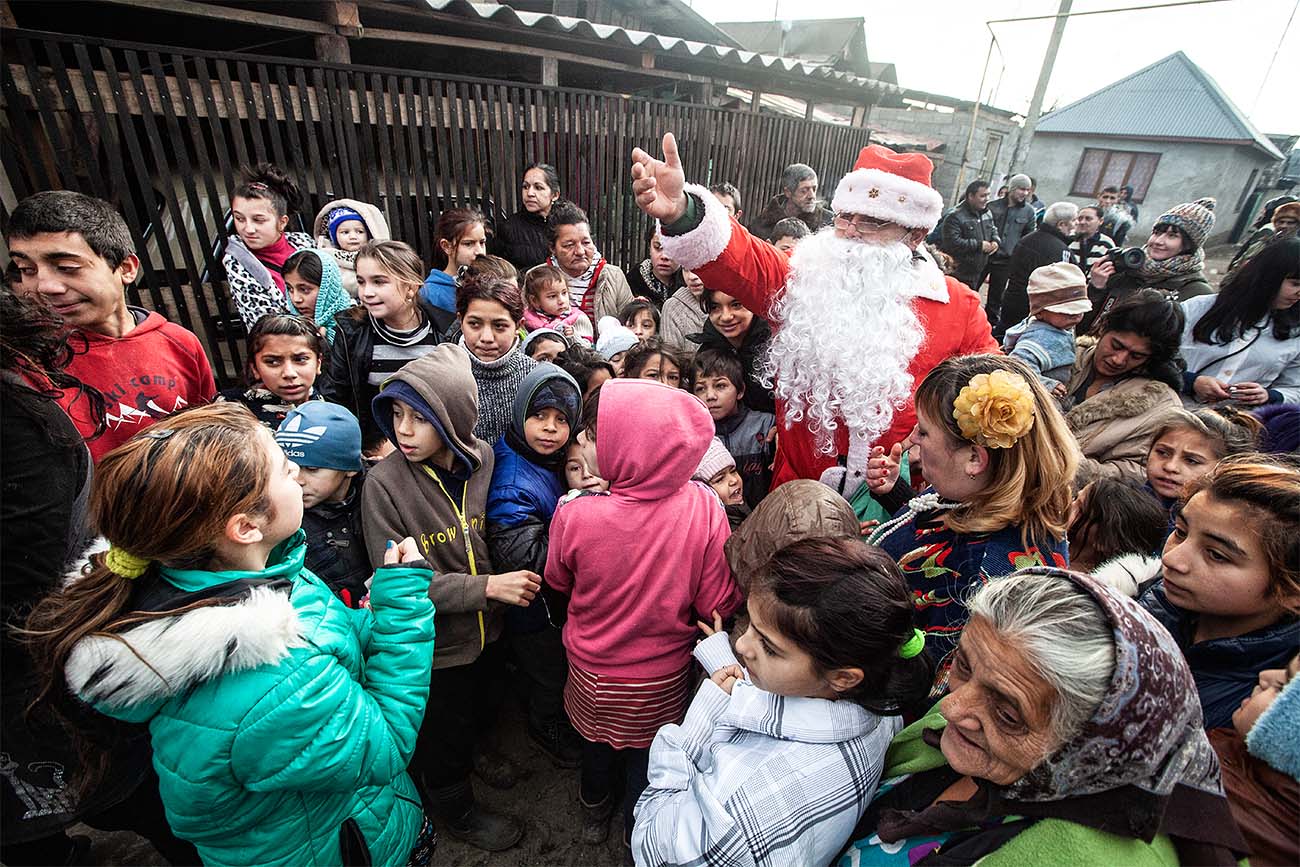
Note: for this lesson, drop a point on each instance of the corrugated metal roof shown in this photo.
(643, 41)
(1172, 98)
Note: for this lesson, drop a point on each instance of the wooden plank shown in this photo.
(431, 94)
(266, 109)
(214, 123)
(457, 178)
(236, 126)
(290, 125)
(80, 134)
(419, 142)
(108, 133)
(404, 205)
(64, 171)
(228, 13)
(312, 130)
(387, 168)
(254, 124)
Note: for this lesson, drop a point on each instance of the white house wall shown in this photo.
(1187, 171)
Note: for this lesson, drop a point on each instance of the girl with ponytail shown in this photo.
(255, 255)
(281, 721)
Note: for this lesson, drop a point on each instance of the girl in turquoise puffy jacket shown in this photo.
(281, 721)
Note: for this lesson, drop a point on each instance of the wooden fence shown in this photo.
(162, 133)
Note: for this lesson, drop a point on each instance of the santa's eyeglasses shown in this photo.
(860, 223)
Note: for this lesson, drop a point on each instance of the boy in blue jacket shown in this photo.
(527, 483)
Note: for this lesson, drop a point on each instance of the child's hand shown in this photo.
(514, 588)
(1058, 390)
(727, 676)
(405, 551)
(710, 631)
(568, 331)
(883, 469)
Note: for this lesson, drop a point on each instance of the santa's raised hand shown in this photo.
(657, 184)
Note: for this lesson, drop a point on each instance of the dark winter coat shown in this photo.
(963, 237)
(1124, 283)
(46, 471)
(336, 545)
(1013, 223)
(763, 225)
(1042, 247)
(344, 379)
(744, 433)
(644, 282)
(757, 396)
(1225, 669)
(521, 240)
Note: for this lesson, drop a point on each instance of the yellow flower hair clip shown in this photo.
(995, 409)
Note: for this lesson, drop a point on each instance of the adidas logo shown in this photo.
(292, 434)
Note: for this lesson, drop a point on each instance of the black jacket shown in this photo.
(1012, 224)
(521, 240)
(1124, 283)
(344, 380)
(765, 222)
(751, 359)
(964, 234)
(1043, 247)
(336, 547)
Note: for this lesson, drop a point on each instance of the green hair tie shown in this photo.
(124, 563)
(913, 646)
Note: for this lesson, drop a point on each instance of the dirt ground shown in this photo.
(546, 799)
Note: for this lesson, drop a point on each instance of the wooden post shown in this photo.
(810, 111)
(756, 101)
(550, 72)
(344, 15)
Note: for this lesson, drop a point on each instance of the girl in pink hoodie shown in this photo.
(641, 564)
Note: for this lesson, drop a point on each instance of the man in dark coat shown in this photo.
(1014, 218)
(797, 199)
(1044, 247)
(969, 235)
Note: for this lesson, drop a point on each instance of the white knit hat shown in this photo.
(890, 186)
(614, 338)
(715, 460)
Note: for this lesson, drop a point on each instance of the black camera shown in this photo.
(1127, 259)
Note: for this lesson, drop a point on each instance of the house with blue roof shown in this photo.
(1168, 131)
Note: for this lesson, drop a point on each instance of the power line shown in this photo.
(1269, 71)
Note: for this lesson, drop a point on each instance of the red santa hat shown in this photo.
(890, 186)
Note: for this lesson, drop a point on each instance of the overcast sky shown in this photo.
(939, 46)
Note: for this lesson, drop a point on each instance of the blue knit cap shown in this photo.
(321, 434)
(338, 217)
(1275, 736)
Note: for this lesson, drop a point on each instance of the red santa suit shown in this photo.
(724, 254)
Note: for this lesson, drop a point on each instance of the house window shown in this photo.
(1100, 168)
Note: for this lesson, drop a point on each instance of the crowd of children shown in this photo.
(437, 488)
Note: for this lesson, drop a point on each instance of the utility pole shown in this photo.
(1040, 89)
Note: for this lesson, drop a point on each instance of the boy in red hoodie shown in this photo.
(75, 253)
(641, 564)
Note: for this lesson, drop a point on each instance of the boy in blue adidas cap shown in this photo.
(324, 440)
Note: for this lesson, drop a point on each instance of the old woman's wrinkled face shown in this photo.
(998, 709)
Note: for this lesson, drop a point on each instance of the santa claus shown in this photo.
(860, 313)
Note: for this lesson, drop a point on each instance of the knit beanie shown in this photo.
(320, 434)
(1020, 182)
(1059, 288)
(338, 217)
(615, 337)
(1195, 219)
(715, 460)
(1275, 736)
(549, 333)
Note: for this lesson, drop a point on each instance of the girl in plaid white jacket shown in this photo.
(777, 760)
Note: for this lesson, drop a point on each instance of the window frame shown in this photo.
(1139, 195)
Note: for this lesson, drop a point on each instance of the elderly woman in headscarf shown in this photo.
(1071, 734)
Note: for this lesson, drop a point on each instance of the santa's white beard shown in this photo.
(845, 336)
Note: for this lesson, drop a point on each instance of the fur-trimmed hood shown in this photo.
(1127, 573)
(1129, 398)
(157, 660)
(129, 673)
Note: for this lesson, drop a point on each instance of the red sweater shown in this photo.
(153, 370)
(755, 272)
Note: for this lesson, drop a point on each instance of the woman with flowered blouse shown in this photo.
(1000, 462)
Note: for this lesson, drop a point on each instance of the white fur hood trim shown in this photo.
(165, 657)
(705, 242)
(1126, 572)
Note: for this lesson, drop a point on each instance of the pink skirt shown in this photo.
(624, 712)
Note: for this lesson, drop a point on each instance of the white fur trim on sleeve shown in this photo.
(1125, 573)
(705, 242)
